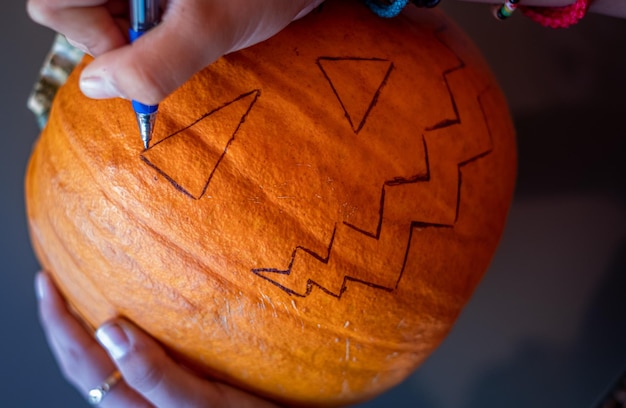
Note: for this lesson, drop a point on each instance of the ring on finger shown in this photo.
(95, 395)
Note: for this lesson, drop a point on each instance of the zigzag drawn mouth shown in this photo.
(300, 282)
(287, 279)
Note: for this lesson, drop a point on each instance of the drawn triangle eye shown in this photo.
(356, 82)
(201, 146)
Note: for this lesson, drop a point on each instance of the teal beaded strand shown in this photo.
(387, 10)
(393, 8)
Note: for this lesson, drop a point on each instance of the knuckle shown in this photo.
(71, 364)
(89, 45)
(143, 371)
(101, 40)
(154, 85)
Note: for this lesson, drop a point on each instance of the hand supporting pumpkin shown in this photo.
(150, 376)
(192, 34)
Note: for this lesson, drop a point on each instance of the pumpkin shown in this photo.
(313, 212)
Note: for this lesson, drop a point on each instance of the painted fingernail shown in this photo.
(98, 88)
(113, 338)
(40, 285)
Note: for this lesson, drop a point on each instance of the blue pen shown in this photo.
(144, 15)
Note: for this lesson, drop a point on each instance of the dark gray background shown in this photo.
(547, 326)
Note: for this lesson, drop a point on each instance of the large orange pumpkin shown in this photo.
(312, 215)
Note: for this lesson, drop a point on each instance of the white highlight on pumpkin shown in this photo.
(222, 320)
(345, 387)
(391, 356)
(375, 379)
(269, 300)
(262, 302)
(401, 323)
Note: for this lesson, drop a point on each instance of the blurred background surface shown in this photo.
(547, 326)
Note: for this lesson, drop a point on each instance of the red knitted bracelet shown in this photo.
(557, 17)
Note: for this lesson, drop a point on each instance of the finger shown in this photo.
(151, 372)
(192, 35)
(310, 6)
(161, 60)
(67, 335)
(81, 359)
(609, 7)
(93, 25)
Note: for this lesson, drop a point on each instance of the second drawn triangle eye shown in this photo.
(201, 146)
(357, 83)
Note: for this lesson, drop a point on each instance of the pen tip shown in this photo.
(146, 127)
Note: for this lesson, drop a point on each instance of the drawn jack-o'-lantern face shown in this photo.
(313, 212)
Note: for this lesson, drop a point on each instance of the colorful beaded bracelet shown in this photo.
(558, 17)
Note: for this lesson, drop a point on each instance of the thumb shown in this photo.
(192, 35)
(158, 62)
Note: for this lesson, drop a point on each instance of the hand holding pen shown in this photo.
(191, 35)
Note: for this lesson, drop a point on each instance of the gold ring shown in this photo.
(95, 395)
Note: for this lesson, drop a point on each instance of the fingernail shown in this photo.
(113, 338)
(40, 285)
(78, 45)
(98, 88)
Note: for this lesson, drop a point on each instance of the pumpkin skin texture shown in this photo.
(313, 212)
